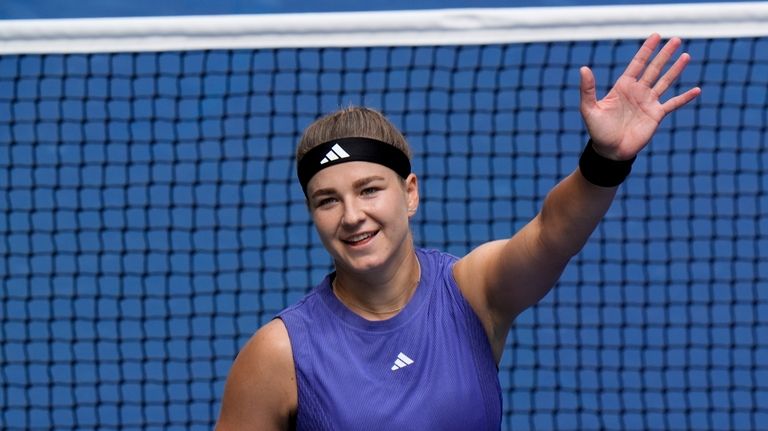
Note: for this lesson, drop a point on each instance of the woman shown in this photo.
(404, 338)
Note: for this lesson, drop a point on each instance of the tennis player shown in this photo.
(402, 338)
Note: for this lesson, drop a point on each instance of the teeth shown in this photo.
(360, 237)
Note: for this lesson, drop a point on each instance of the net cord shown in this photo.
(472, 26)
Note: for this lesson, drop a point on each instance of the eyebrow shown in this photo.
(356, 184)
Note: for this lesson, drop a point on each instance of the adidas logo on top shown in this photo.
(336, 153)
(402, 361)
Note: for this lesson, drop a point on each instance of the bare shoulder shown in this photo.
(260, 392)
(472, 272)
(272, 340)
(473, 276)
(487, 279)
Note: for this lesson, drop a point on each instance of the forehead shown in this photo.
(346, 174)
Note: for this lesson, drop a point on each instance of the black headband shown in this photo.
(351, 150)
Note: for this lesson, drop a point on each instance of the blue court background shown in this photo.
(128, 337)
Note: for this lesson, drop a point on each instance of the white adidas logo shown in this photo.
(402, 361)
(336, 153)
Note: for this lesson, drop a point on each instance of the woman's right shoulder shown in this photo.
(270, 340)
(261, 388)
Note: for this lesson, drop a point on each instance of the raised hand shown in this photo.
(622, 123)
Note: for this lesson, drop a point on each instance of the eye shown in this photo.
(369, 191)
(324, 202)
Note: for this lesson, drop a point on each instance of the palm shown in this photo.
(622, 123)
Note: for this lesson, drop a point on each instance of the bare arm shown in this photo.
(260, 393)
(502, 278)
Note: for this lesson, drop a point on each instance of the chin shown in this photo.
(363, 263)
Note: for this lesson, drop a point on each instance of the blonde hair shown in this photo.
(352, 122)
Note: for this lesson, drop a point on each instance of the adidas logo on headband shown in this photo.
(336, 153)
(355, 149)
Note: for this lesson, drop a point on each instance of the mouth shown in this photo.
(360, 239)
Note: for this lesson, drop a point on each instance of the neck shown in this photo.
(375, 299)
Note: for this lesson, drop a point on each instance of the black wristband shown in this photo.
(602, 171)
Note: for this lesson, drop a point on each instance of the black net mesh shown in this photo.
(151, 222)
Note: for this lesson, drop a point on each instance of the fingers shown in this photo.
(680, 100)
(668, 78)
(640, 59)
(653, 70)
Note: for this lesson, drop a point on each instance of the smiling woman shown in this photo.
(406, 338)
(150, 221)
(387, 306)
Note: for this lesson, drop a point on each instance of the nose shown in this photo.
(353, 213)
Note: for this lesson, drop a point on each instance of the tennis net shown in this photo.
(151, 220)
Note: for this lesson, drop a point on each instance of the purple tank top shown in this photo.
(430, 367)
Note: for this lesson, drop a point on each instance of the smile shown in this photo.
(360, 238)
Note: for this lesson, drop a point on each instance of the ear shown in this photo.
(412, 194)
